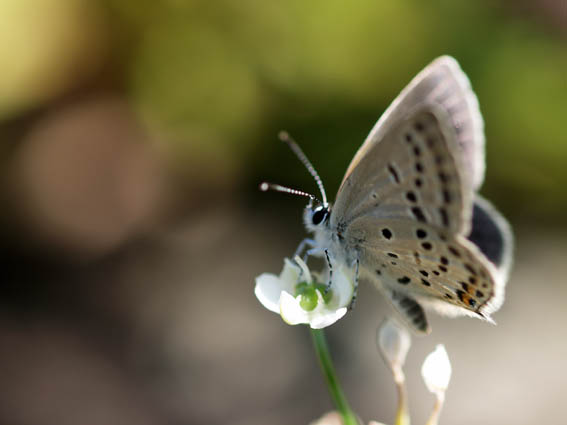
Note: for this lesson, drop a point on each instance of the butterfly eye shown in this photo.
(319, 215)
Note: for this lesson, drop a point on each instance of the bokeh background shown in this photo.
(133, 136)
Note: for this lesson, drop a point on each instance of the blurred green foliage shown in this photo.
(215, 81)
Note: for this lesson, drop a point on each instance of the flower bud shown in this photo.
(436, 371)
(394, 342)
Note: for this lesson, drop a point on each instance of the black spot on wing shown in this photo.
(418, 214)
(394, 173)
(410, 196)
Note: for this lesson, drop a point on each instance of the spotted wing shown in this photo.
(414, 173)
(443, 83)
(411, 312)
(406, 209)
(450, 275)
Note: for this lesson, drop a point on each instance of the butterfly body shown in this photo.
(407, 215)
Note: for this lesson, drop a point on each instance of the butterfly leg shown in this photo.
(355, 289)
(328, 288)
(305, 242)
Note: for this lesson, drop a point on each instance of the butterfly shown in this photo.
(407, 216)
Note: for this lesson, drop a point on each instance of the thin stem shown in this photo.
(402, 416)
(326, 363)
(434, 418)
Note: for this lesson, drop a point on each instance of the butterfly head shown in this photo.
(316, 217)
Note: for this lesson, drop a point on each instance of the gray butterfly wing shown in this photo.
(411, 312)
(492, 235)
(405, 210)
(414, 172)
(405, 207)
(444, 83)
(489, 249)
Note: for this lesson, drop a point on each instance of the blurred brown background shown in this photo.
(133, 136)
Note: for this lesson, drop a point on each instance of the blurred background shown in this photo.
(133, 136)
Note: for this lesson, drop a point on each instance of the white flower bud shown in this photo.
(394, 342)
(436, 371)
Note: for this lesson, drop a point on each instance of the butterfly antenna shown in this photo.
(284, 137)
(264, 187)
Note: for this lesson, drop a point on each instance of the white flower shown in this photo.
(300, 299)
(394, 342)
(436, 371)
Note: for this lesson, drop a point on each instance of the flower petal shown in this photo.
(306, 275)
(268, 290)
(291, 311)
(289, 277)
(343, 288)
(319, 321)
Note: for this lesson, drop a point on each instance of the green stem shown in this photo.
(326, 363)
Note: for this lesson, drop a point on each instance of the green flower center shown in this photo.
(309, 299)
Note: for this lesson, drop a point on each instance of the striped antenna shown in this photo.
(264, 187)
(284, 137)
